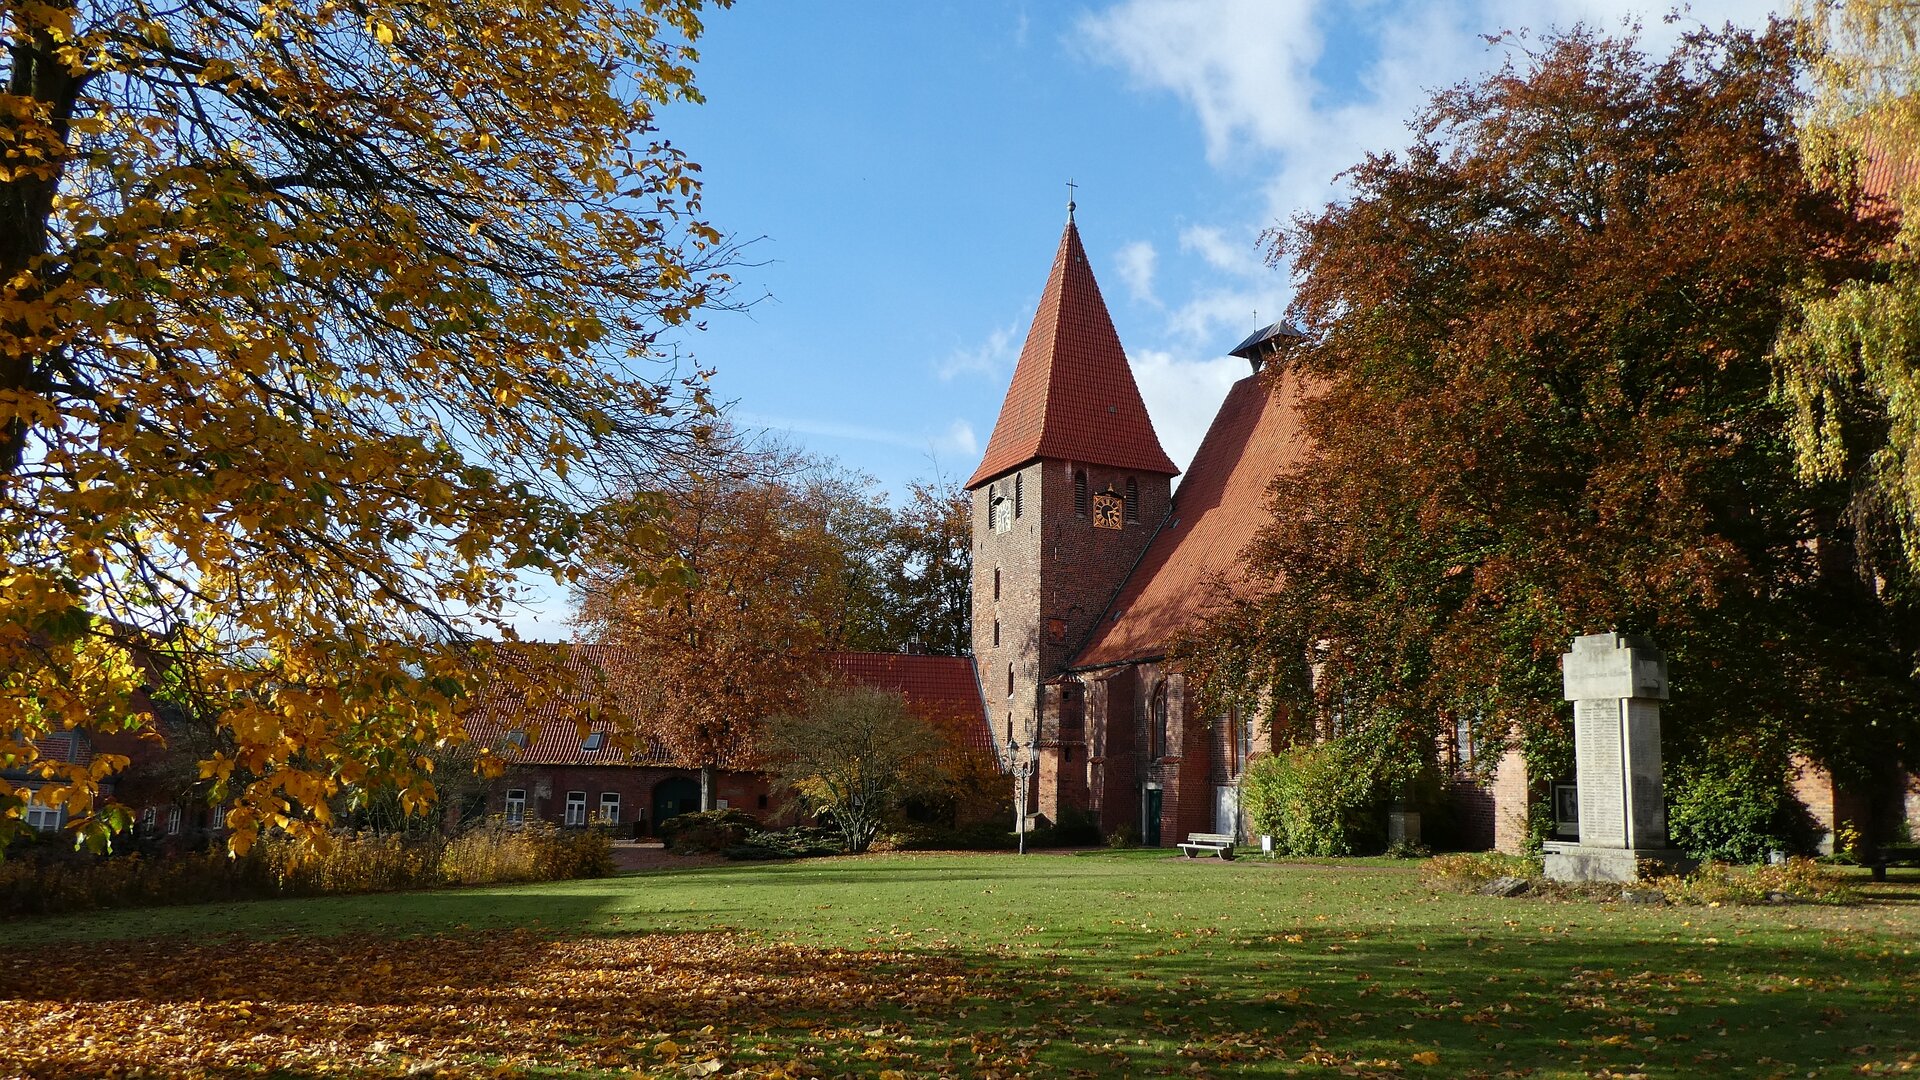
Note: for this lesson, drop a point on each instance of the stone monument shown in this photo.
(1616, 683)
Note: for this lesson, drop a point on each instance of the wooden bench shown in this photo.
(1208, 843)
(1880, 859)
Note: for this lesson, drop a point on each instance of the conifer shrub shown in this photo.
(707, 831)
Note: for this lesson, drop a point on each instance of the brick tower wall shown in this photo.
(1056, 575)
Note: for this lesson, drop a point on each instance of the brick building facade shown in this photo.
(565, 775)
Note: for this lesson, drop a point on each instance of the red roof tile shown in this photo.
(939, 688)
(1217, 510)
(1887, 172)
(1073, 396)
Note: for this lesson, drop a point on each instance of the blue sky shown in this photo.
(901, 170)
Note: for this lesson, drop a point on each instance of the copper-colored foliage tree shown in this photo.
(308, 313)
(928, 569)
(1543, 406)
(721, 621)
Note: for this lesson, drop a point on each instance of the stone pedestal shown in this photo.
(1616, 684)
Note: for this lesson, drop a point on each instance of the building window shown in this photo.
(517, 739)
(1157, 722)
(1133, 500)
(1066, 754)
(996, 583)
(516, 806)
(1080, 492)
(173, 821)
(1009, 680)
(609, 807)
(763, 802)
(147, 819)
(993, 507)
(1056, 630)
(42, 818)
(996, 633)
(576, 808)
(1019, 494)
(594, 741)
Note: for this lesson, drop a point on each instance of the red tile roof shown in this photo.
(1216, 511)
(939, 688)
(1073, 396)
(1886, 172)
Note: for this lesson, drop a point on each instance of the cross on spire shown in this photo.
(1070, 203)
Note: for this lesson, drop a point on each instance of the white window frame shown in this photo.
(609, 807)
(148, 818)
(173, 820)
(576, 808)
(516, 806)
(43, 818)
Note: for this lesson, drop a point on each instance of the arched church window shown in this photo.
(996, 583)
(1019, 494)
(1133, 499)
(1157, 722)
(1080, 492)
(996, 633)
(1009, 680)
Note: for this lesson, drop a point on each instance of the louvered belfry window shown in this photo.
(1080, 492)
(1133, 499)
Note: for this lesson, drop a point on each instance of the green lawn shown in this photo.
(1099, 964)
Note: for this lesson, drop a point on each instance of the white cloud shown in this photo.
(1245, 66)
(956, 438)
(1136, 263)
(992, 359)
(1182, 395)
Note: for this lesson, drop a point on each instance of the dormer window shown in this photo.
(517, 739)
(594, 741)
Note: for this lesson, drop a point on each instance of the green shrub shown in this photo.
(1314, 800)
(1125, 836)
(708, 831)
(1734, 808)
(799, 842)
(979, 836)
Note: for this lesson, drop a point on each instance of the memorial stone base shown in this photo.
(1578, 862)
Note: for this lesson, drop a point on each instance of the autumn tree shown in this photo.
(1541, 404)
(315, 319)
(717, 617)
(854, 754)
(927, 569)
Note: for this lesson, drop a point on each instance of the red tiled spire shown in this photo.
(1073, 396)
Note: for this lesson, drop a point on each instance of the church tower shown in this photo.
(1071, 488)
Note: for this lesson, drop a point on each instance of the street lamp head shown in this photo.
(1013, 747)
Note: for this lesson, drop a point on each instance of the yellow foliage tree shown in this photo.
(317, 321)
(1849, 360)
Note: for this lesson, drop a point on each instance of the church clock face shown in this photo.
(1106, 511)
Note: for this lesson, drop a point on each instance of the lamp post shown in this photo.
(1022, 769)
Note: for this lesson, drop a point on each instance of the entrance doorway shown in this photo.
(1226, 810)
(674, 796)
(1150, 817)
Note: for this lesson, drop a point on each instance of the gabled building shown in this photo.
(565, 775)
(1087, 563)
